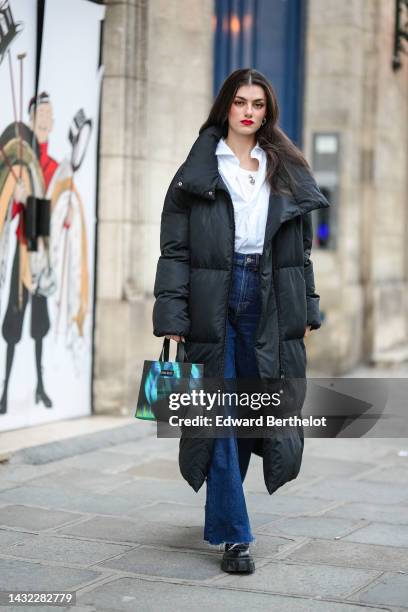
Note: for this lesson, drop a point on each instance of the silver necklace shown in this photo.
(251, 177)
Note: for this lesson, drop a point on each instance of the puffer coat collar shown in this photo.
(200, 176)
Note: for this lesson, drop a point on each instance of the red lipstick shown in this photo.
(247, 121)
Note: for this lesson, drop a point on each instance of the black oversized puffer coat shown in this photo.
(193, 280)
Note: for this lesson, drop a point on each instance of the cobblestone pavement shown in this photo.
(120, 526)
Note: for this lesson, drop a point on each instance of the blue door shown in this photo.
(267, 35)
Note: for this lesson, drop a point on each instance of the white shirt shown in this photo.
(246, 180)
(250, 201)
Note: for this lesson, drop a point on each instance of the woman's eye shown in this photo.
(238, 102)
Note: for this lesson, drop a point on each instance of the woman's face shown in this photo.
(247, 110)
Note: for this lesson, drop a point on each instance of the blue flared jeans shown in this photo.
(226, 516)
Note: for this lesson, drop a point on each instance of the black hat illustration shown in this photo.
(9, 29)
(79, 135)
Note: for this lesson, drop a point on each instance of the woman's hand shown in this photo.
(176, 338)
(308, 329)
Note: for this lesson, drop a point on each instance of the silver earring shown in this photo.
(263, 121)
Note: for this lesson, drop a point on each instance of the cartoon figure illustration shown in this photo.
(41, 123)
(56, 262)
(39, 199)
(60, 264)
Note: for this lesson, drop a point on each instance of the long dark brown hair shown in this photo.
(281, 151)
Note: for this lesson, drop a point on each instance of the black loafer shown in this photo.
(237, 558)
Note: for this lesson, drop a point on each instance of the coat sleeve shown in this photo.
(312, 298)
(306, 190)
(171, 287)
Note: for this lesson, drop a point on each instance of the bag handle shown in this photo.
(181, 354)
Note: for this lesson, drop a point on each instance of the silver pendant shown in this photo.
(251, 179)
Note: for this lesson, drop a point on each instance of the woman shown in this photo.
(235, 283)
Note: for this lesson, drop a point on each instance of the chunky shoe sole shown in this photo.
(242, 566)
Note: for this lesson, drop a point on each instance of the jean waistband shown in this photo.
(247, 259)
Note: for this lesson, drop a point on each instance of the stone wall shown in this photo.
(156, 93)
(351, 88)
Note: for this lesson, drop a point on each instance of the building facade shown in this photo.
(342, 102)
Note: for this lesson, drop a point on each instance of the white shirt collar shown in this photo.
(224, 150)
(228, 166)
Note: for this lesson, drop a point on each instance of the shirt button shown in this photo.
(210, 193)
(179, 183)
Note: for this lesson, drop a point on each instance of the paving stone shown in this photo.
(166, 524)
(390, 590)
(381, 513)
(49, 608)
(16, 575)
(397, 474)
(21, 473)
(312, 580)
(356, 490)
(137, 594)
(151, 490)
(186, 516)
(256, 484)
(352, 554)
(291, 487)
(102, 461)
(141, 531)
(9, 537)
(267, 546)
(284, 504)
(71, 499)
(90, 480)
(78, 608)
(34, 519)
(51, 548)
(171, 513)
(157, 468)
(314, 527)
(78, 445)
(136, 448)
(149, 446)
(163, 535)
(4, 484)
(313, 466)
(381, 533)
(355, 449)
(165, 563)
